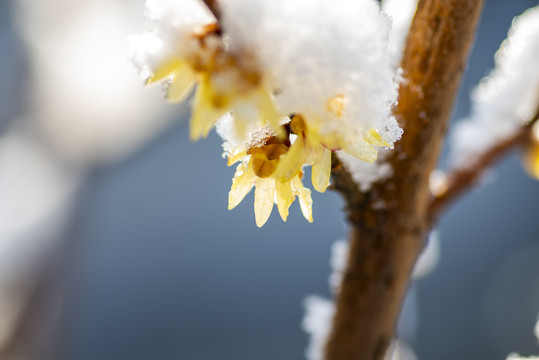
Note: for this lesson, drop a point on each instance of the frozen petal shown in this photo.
(264, 196)
(285, 197)
(321, 171)
(242, 183)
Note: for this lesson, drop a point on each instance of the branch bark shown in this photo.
(385, 242)
(213, 5)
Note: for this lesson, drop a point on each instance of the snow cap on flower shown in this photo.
(168, 35)
(328, 64)
(321, 53)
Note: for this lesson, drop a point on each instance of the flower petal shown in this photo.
(375, 139)
(242, 183)
(285, 197)
(321, 171)
(361, 150)
(204, 114)
(181, 85)
(236, 156)
(268, 111)
(305, 200)
(306, 204)
(164, 70)
(292, 162)
(264, 196)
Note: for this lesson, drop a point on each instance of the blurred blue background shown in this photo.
(159, 269)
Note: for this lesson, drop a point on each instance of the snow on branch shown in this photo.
(505, 109)
(507, 98)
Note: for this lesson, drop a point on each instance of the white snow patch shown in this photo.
(316, 322)
(401, 13)
(367, 174)
(507, 98)
(306, 48)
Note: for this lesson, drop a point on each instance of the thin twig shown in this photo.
(462, 179)
(213, 5)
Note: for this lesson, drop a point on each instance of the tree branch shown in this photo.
(213, 5)
(460, 180)
(385, 242)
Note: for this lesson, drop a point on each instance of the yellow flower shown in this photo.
(257, 168)
(313, 149)
(227, 82)
(274, 167)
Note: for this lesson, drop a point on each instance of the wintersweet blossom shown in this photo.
(315, 77)
(184, 47)
(261, 166)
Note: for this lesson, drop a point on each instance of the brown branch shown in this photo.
(213, 5)
(460, 180)
(385, 242)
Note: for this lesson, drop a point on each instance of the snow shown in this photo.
(306, 47)
(366, 174)
(338, 261)
(311, 55)
(318, 310)
(516, 356)
(401, 13)
(507, 98)
(316, 322)
(170, 24)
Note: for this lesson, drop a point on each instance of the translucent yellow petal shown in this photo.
(241, 124)
(181, 85)
(314, 151)
(264, 196)
(268, 111)
(291, 163)
(375, 139)
(306, 204)
(204, 114)
(305, 200)
(242, 183)
(235, 157)
(361, 150)
(285, 197)
(321, 171)
(164, 70)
